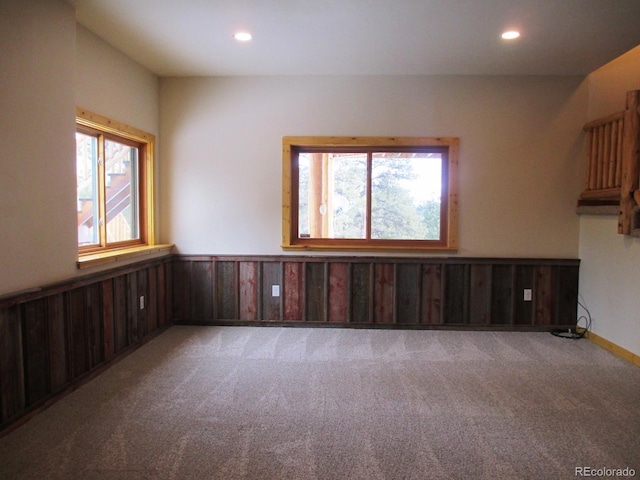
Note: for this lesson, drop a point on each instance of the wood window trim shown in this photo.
(146, 244)
(290, 240)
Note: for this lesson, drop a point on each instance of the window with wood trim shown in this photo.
(114, 172)
(370, 193)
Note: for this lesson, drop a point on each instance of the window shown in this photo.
(370, 193)
(114, 170)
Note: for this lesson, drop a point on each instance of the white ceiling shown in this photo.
(377, 37)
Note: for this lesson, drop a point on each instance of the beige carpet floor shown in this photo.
(303, 403)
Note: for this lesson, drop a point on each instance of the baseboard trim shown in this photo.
(613, 348)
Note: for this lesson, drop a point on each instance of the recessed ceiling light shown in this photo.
(243, 36)
(510, 34)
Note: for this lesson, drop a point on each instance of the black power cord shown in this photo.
(573, 333)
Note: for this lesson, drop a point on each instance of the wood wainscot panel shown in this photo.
(94, 324)
(361, 298)
(35, 333)
(339, 292)
(456, 287)
(121, 337)
(566, 295)
(432, 292)
(544, 294)
(12, 386)
(151, 299)
(182, 301)
(502, 291)
(316, 292)
(226, 287)
(249, 283)
(271, 304)
(294, 291)
(58, 352)
(383, 293)
(202, 289)
(408, 283)
(77, 328)
(55, 337)
(108, 316)
(480, 280)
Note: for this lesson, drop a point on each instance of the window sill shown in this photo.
(95, 259)
(363, 248)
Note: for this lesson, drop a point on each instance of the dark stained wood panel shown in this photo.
(566, 295)
(502, 283)
(121, 337)
(408, 293)
(249, 282)
(163, 311)
(58, 365)
(168, 284)
(315, 292)
(544, 292)
(456, 306)
(77, 333)
(271, 306)
(12, 386)
(361, 293)
(339, 292)
(202, 290)
(384, 293)
(131, 282)
(226, 290)
(480, 294)
(35, 332)
(152, 299)
(431, 292)
(93, 320)
(182, 301)
(293, 291)
(108, 334)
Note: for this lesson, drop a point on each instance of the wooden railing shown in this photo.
(604, 158)
(613, 164)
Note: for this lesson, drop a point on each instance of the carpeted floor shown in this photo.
(303, 403)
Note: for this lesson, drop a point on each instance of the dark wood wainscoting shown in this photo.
(365, 291)
(54, 337)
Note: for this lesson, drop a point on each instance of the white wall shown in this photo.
(38, 239)
(521, 153)
(112, 84)
(45, 71)
(610, 262)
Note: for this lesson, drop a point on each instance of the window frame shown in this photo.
(292, 146)
(95, 124)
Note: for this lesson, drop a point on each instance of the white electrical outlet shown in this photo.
(527, 294)
(275, 290)
(142, 302)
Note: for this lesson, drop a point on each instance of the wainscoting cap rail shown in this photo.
(383, 259)
(26, 295)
